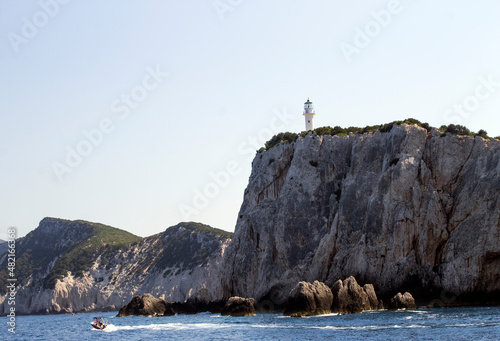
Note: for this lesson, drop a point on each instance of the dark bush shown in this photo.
(482, 133)
(281, 138)
(457, 129)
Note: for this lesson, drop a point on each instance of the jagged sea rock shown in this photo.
(404, 301)
(146, 305)
(239, 306)
(350, 297)
(375, 303)
(405, 208)
(308, 299)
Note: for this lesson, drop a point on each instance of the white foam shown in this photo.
(171, 326)
(370, 327)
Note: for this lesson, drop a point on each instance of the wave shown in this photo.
(307, 317)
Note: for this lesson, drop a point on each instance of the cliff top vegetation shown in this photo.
(288, 137)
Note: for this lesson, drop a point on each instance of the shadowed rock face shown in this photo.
(308, 299)
(201, 301)
(403, 210)
(404, 301)
(146, 305)
(239, 306)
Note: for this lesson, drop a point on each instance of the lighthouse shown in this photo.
(309, 114)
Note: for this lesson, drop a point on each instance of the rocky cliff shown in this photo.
(405, 209)
(72, 266)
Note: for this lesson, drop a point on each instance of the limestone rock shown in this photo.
(404, 301)
(146, 305)
(375, 303)
(349, 297)
(239, 306)
(400, 209)
(308, 299)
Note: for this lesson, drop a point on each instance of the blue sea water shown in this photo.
(477, 323)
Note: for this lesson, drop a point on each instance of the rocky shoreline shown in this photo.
(305, 299)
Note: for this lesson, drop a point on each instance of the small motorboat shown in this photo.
(99, 323)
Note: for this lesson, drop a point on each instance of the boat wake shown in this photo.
(169, 326)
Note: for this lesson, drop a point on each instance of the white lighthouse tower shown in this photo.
(309, 114)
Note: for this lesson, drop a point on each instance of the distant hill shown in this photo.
(69, 245)
(69, 266)
(3, 246)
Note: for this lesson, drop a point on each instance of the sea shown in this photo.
(470, 323)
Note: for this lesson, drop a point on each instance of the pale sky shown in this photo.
(143, 114)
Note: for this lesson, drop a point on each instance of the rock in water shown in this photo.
(375, 303)
(146, 305)
(349, 297)
(404, 301)
(239, 306)
(308, 299)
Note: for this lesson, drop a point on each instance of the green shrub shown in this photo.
(457, 129)
(281, 138)
(482, 133)
(313, 163)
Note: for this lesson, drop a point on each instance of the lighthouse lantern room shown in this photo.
(309, 115)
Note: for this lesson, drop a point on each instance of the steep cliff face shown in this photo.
(404, 208)
(72, 266)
